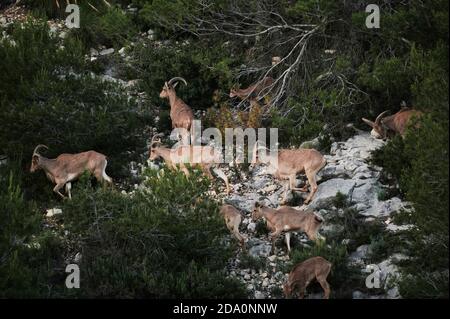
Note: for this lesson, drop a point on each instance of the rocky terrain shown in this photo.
(347, 173)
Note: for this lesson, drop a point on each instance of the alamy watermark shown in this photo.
(73, 19)
(373, 19)
(373, 279)
(73, 279)
(230, 148)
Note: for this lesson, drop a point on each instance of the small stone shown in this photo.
(247, 277)
(53, 211)
(250, 287)
(259, 295)
(251, 227)
(77, 258)
(107, 51)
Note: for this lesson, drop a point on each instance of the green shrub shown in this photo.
(32, 53)
(250, 262)
(355, 228)
(110, 27)
(163, 242)
(30, 256)
(340, 200)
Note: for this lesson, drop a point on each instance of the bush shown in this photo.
(163, 242)
(27, 53)
(111, 27)
(30, 256)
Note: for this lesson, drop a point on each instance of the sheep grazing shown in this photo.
(68, 167)
(393, 124)
(303, 273)
(233, 219)
(287, 219)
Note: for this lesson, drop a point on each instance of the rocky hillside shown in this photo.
(108, 84)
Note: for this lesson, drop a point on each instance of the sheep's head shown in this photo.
(169, 87)
(257, 214)
(378, 130)
(233, 93)
(287, 290)
(36, 158)
(156, 141)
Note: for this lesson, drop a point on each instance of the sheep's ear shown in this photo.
(257, 204)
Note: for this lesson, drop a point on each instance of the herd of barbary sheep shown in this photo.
(68, 167)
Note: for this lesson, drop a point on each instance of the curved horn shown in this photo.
(379, 117)
(156, 136)
(35, 152)
(177, 78)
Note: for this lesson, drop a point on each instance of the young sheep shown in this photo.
(233, 219)
(69, 167)
(289, 220)
(305, 272)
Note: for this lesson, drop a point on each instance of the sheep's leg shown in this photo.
(68, 188)
(287, 235)
(101, 176)
(273, 236)
(311, 175)
(236, 232)
(301, 293)
(207, 171)
(292, 184)
(58, 187)
(185, 170)
(285, 195)
(326, 287)
(305, 188)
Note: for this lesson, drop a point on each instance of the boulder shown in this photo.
(260, 250)
(327, 191)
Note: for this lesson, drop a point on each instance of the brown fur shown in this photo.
(69, 167)
(253, 90)
(288, 219)
(305, 272)
(395, 124)
(204, 157)
(233, 219)
(295, 161)
(180, 113)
